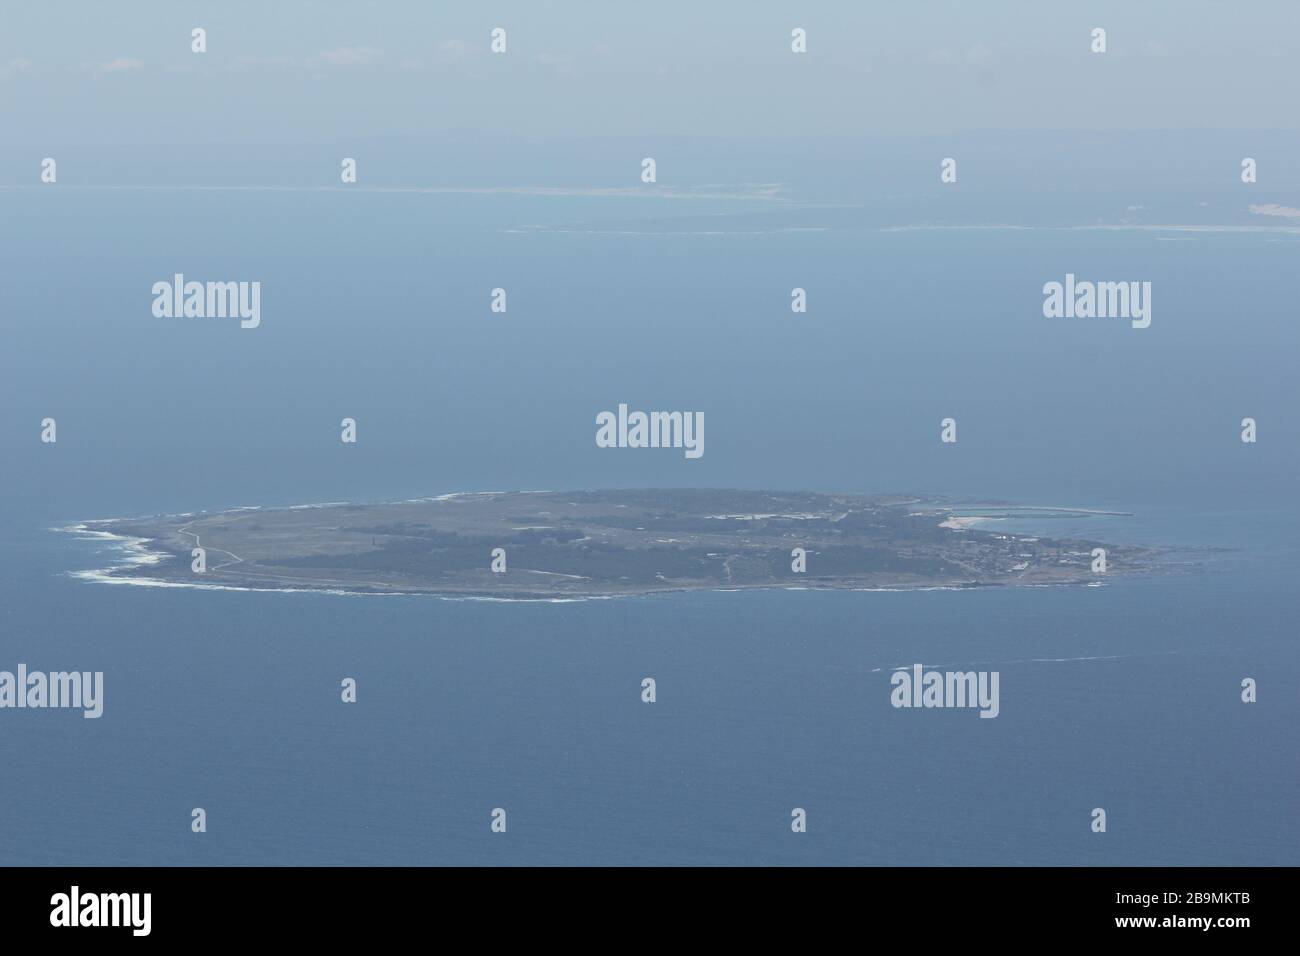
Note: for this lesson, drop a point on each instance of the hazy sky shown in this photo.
(123, 72)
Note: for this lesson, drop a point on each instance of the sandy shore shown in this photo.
(958, 523)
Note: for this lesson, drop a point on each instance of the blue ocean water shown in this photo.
(376, 306)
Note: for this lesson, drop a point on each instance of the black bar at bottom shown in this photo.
(215, 905)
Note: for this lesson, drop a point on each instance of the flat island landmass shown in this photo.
(556, 545)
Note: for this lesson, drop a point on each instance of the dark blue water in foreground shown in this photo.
(767, 701)
(1124, 697)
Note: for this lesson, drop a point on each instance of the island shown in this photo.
(584, 544)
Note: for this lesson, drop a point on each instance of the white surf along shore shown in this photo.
(135, 554)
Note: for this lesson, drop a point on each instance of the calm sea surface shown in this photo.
(376, 307)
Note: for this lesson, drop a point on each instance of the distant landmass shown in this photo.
(575, 544)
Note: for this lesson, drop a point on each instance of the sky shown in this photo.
(90, 72)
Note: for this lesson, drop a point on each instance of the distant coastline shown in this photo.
(588, 545)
